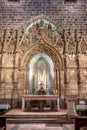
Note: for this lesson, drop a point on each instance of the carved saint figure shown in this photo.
(41, 90)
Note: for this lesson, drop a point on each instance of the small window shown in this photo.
(14, 0)
(70, 0)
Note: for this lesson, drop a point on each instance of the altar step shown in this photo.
(21, 121)
(39, 119)
(19, 116)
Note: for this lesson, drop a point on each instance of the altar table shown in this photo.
(53, 98)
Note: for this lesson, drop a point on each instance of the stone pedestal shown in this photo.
(71, 111)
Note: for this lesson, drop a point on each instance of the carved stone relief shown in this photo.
(83, 91)
(71, 45)
(46, 49)
(83, 45)
(7, 60)
(72, 75)
(83, 75)
(19, 47)
(2, 76)
(83, 60)
(8, 75)
(71, 60)
(72, 89)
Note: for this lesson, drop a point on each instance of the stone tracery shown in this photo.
(58, 45)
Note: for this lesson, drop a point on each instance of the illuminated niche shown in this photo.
(41, 71)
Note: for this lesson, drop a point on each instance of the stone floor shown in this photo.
(39, 127)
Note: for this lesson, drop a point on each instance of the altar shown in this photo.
(41, 98)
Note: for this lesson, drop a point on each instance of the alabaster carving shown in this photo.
(71, 60)
(83, 91)
(8, 75)
(83, 45)
(3, 76)
(71, 75)
(83, 75)
(67, 49)
(71, 45)
(72, 89)
(82, 60)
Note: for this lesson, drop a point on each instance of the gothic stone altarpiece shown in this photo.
(67, 49)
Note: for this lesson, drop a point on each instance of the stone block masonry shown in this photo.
(67, 14)
(71, 43)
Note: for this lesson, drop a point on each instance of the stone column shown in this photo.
(65, 51)
(27, 80)
(54, 80)
(23, 103)
(78, 74)
(58, 105)
(22, 77)
(59, 83)
(65, 76)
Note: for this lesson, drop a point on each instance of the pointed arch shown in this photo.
(45, 48)
(42, 44)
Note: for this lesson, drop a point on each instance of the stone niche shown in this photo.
(41, 72)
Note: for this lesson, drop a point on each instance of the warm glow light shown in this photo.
(41, 70)
(31, 73)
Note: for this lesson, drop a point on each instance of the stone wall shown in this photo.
(71, 44)
(67, 14)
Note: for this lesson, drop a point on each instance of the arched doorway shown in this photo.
(41, 71)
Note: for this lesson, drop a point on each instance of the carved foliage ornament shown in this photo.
(11, 38)
(83, 45)
(71, 44)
